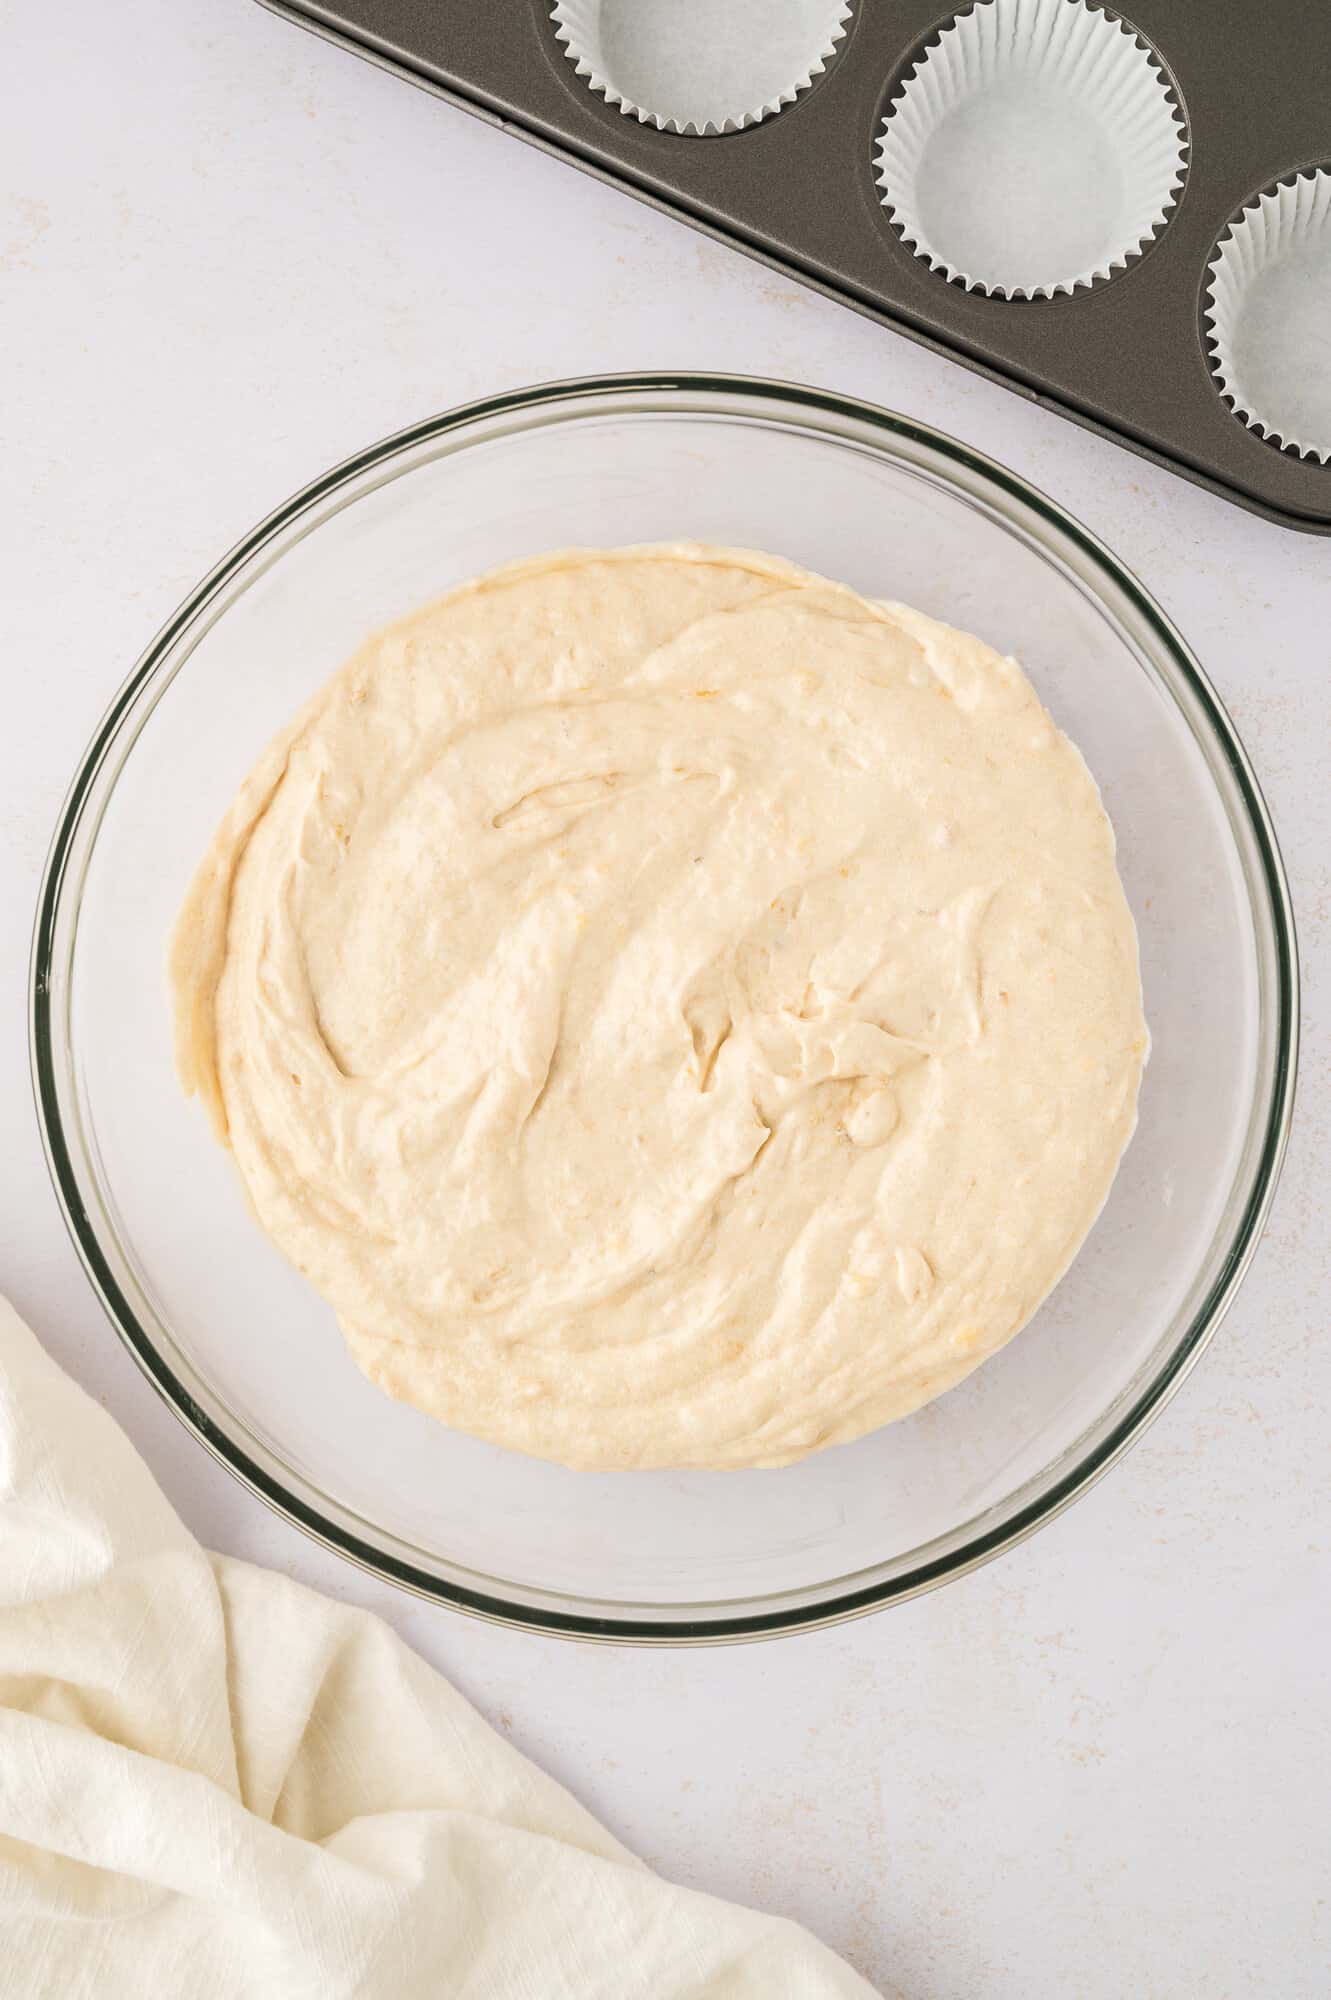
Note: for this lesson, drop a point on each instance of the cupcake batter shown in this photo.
(676, 1012)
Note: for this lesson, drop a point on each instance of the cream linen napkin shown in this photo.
(214, 1782)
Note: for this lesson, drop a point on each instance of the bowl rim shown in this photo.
(714, 1623)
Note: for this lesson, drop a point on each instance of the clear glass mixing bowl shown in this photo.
(252, 1359)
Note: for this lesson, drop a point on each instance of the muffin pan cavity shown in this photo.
(1268, 313)
(1064, 196)
(700, 68)
(1034, 148)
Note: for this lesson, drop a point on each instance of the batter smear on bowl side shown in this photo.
(676, 1011)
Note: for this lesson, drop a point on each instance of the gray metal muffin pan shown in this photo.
(1126, 357)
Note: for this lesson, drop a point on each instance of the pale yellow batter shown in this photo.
(676, 1012)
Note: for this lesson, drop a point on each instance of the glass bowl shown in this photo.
(252, 1359)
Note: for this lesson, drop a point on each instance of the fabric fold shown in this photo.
(216, 1782)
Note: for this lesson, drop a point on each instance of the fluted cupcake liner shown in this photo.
(1035, 147)
(700, 68)
(1267, 308)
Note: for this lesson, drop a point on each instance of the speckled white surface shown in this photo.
(229, 255)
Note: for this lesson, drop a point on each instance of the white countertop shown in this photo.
(229, 256)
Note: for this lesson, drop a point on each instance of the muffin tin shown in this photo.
(1126, 174)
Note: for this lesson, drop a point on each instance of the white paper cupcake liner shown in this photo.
(700, 67)
(1268, 307)
(1035, 147)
